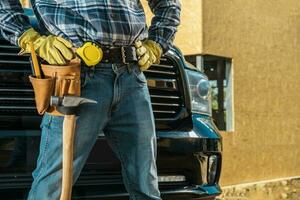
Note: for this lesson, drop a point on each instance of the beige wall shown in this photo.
(263, 38)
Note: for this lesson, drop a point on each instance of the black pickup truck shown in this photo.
(189, 145)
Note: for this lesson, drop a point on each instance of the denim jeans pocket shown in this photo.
(139, 75)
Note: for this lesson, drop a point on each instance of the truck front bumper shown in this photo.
(184, 164)
(189, 166)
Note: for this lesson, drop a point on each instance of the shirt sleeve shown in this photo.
(13, 21)
(165, 21)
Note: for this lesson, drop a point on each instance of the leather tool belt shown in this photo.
(125, 55)
(92, 54)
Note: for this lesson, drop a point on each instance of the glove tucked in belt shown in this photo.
(149, 52)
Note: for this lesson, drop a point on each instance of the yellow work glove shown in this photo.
(148, 52)
(53, 49)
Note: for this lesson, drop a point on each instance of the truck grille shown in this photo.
(17, 99)
(163, 83)
(16, 94)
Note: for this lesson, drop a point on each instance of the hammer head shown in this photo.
(69, 105)
(69, 101)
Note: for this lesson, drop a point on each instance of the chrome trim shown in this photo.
(18, 107)
(165, 97)
(7, 54)
(164, 111)
(163, 104)
(161, 72)
(16, 99)
(163, 66)
(14, 62)
(15, 90)
(9, 47)
(162, 119)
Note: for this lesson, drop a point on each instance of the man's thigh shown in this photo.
(131, 133)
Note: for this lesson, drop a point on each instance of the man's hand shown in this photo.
(53, 49)
(148, 52)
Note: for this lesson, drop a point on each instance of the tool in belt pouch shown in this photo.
(58, 81)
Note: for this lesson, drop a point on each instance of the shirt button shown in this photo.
(112, 15)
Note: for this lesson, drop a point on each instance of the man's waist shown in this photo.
(92, 54)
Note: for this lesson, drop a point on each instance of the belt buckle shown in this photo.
(123, 53)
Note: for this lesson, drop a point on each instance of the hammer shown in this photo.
(69, 106)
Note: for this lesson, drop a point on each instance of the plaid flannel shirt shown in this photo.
(108, 22)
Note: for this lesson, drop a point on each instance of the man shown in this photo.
(123, 112)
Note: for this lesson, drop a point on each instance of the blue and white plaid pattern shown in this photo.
(109, 22)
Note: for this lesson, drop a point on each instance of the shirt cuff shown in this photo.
(13, 38)
(165, 44)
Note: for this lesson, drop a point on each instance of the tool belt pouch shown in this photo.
(66, 81)
(43, 89)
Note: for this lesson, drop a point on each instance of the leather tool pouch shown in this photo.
(59, 81)
(42, 91)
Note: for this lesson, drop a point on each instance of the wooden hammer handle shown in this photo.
(68, 144)
(35, 62)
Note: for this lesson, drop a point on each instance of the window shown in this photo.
(220, 73)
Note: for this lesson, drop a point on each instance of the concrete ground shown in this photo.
(280, 189)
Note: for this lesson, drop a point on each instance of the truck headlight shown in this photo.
(200, 90)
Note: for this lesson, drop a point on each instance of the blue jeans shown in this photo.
(123, 114)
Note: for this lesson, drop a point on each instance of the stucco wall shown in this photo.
(189, 35)
(263, 38)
